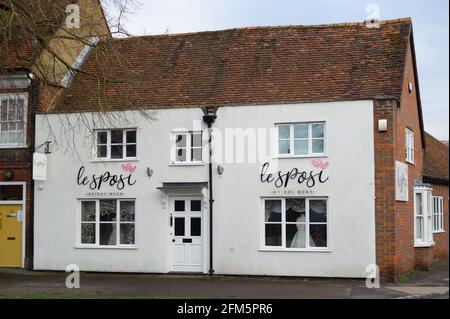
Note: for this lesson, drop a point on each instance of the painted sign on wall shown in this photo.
(401, 182)
(283, 179)
(97, 181)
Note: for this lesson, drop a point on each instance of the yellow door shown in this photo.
(10, 236)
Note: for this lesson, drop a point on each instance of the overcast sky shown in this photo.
(430, 18)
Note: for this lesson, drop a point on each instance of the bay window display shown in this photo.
(107, 223)
(423, 220)
(295, 223)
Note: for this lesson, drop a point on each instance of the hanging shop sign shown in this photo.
(39, 167)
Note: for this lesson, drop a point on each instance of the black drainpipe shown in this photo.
(30, 232)
(209, 119)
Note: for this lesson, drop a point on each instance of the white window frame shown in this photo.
(189, 147)
(410, 146)
(426, 216)
(108, 145)
(24, 97)
(283, 223)
(438, 214)
(292, 140)
(79, 244)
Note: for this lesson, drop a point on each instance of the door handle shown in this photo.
(171, 220)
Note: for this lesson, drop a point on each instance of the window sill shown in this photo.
(439, 232)
(325, 250)
(186, 164)
(130, 160)
(107, 247)
(424, 245)
(411, 163)
(12, 147)
(301, 156)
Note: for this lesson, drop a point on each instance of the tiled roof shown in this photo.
(435, 164)
(259, 65)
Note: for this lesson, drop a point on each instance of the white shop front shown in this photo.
(138, 198)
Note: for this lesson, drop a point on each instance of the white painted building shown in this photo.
(259, 228)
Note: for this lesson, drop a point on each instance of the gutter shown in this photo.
(209, 118)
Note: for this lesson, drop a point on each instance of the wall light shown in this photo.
(149, 172)
(220, 170)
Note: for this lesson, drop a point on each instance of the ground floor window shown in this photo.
(107, 222)
(296, 223)
(438, 214)
(423, 223)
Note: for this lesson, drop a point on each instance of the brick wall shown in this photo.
(396, 254)
(440, 250)
(19, 162)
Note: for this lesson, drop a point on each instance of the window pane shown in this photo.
(102, 138)
(181, 140)
(179, 226)
(88, 233)
(127, 211)
(127, 234)
(318, 146)
(273, 235)
(131, 150)
(88, 211)
(11, 192)
(3, 110)
(295, 236)
(117, 137)
(318, 236)
(108, 234)
(131, 137)
(284, 147)
(419, 204)
(107, 210)
(196, 206)
(284, 132)
(197, 155)
(295, 210)
(102, 151)
(419, 228)
(301, 130)
(180, 206)
(196, 140)
(181, 155)
(116, 151)
(301, 147)
(318, 130)
(196, 227)
(318, 211)
(273, 211)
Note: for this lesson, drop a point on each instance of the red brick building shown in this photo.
(32, 70)
(436, 173)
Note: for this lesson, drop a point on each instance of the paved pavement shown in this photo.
(18, 283)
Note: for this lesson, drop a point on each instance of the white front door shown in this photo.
(186, 235)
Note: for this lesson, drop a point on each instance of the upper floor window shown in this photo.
(12, 121)
(409, 143)
(301, 139)
(438, 214)
(188, 147)
(116, 144)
